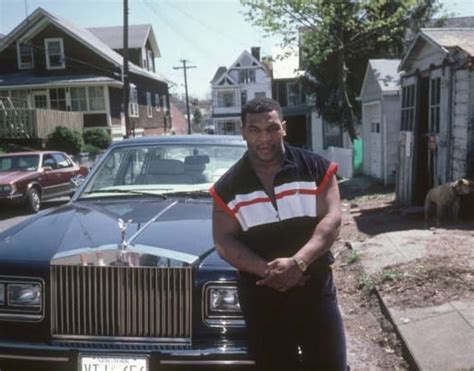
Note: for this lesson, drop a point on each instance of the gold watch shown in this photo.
(300, 263)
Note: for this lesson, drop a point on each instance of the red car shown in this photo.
(32, 177)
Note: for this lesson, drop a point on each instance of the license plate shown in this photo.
(106, 363)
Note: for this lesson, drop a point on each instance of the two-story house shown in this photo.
(232, 87)
(51, 63)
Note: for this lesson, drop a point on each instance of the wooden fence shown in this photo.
(36, 123)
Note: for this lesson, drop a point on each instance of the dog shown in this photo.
(445, 198)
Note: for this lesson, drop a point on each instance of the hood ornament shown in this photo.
(123, 225)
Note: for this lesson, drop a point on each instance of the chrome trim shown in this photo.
(209, 363)
(35, 358)
(20, 317)
(102, 339)
(219, 321)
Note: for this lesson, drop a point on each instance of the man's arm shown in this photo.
(225, 230)
(284, 273)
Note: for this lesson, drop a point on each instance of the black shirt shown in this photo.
(275, 231)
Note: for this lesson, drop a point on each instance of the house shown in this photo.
(437, 111)
(53, 64)
(232, 87)
(380, 99)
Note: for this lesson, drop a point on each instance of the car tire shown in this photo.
(33, 200)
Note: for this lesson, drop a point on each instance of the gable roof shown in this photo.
(446, 39)
(385, 71)
(254, 61)
(224, 79)
(454, 22)
(137, 36)
(40, 18)
(220, 71)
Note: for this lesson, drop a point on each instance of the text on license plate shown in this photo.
(88, 363)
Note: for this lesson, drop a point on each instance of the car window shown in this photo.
(61, 161)
(48, 160)
(19, 163)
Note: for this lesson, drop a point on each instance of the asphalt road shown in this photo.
(11, 215)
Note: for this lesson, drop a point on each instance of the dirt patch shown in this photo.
(445, 274)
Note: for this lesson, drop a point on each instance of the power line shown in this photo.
(186, 89)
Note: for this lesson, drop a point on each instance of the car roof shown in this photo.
(183, 139)
(29, 153)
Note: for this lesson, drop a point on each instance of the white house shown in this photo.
(380, 99)
(437, 112)
(232, 87)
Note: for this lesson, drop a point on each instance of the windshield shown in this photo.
(19, 163)
(164, 168)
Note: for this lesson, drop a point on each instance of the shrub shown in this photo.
(66, 140)
(97, 137)
(91, 149)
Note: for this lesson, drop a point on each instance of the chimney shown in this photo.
(255, 52)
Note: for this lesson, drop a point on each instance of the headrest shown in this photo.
(168, 167)
(196, 160)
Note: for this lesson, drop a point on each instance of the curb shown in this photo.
(407, 354)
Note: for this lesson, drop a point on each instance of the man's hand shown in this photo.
(283, 274)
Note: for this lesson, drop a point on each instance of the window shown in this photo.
(163, 103)
(260, 94)
(133, 103)
(157, 102)
(54, 54)
(96, 98)
(246, 76)
(48, 160)
(151, 65)
(149, 109)
(243, 97)
(332, 134)
(226, 99)
(375, 127)
(294, 94)
(57, 98)
(25, 56)
(408, 107)
(61, 161)
(79, 99)
(229, 128)
(435, 104)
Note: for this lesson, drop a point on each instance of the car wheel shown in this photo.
(33, 200)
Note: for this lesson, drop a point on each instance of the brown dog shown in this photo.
(445, 199)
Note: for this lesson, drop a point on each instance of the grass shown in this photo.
(353, 257)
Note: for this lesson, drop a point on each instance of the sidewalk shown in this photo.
(436, 337)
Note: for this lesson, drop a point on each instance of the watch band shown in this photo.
(300, 263)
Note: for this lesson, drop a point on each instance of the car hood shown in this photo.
(174, 225)
(7, 177)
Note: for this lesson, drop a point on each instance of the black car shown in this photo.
(125, 276)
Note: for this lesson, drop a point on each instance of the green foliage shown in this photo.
(391, 275)
(353, 257)
(91, 149)
(66, 140)
(337, 38)
(97, 137)
(366, 282)
(197, 119)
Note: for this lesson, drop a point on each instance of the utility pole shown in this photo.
(186, 89)
(125, 79)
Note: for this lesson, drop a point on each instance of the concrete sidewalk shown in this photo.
(436, 337)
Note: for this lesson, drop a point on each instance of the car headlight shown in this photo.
(24, 294)
(2, 294)
(221, 304)
(7, 188)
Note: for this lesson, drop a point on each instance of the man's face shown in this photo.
(264, 134)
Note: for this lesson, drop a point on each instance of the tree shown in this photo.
(336, 40)
(197, 120)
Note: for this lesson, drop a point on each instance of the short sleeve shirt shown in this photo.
(280, 228)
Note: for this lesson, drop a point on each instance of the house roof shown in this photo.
(137, 36)
(220, 71)
(449, 38)
(454, 22)
(287, 68)
(385, 71)
(26, 78)
(84, 36)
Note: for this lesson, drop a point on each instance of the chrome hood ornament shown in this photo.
(123, 225)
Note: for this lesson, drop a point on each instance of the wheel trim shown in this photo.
(35, 200)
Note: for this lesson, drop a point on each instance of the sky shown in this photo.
(207, 33)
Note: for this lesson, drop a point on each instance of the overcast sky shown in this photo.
(207, 33)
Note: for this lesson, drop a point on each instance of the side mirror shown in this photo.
(76, 181)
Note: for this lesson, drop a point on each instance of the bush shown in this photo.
(66, 140)
(97, 137)
(89, 148)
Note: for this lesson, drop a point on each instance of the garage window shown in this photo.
(408, 108)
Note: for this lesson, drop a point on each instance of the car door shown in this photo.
(66, 170)
(51, 181)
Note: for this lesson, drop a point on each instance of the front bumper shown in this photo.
(205, 356)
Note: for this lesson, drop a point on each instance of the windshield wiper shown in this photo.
(130, 191)
(195, 193)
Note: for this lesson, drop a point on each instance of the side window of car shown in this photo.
(61, 160)
(48, 160)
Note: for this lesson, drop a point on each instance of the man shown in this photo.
(276, 214)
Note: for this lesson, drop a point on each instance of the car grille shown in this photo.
(121, 302)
